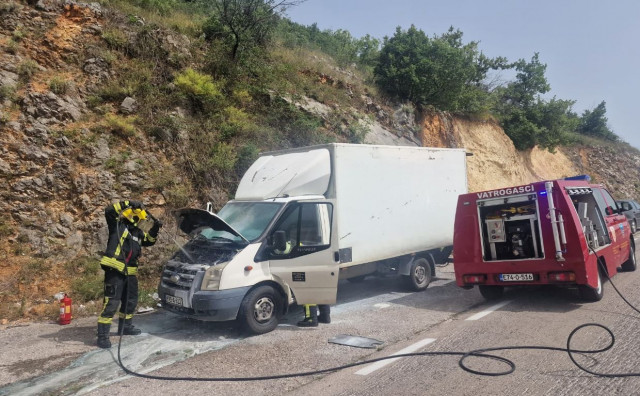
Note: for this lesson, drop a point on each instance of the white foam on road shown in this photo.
(380, 364)
(487, 311)
(143, 354)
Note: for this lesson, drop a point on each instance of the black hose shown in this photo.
(478, 353)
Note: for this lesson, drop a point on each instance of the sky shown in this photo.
(591, 47)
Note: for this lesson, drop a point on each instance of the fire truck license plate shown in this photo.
(173, 300)
(516, 277)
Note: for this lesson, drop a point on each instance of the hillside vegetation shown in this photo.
(169, 101)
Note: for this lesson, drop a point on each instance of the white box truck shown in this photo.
(303, 218)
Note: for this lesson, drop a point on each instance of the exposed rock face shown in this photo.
(496, 163)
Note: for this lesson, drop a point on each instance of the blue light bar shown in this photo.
(579, 177)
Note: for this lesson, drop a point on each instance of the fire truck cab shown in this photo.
(564, 232)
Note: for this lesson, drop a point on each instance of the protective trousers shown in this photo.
(119, 290)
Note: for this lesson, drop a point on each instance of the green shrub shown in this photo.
(223, 157)
(200, 88)
(58, 85)
(178, 195)
(18, 35)
(5, 229)
(115, 39)
(87, 284)
(7, 92)
(12, 47)
(27, 69)
(120, 126)
(235, 122)
(8, 7)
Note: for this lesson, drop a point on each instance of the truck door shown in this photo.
(307, 264)
(615, 223)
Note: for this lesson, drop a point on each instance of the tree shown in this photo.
(440, 71)
(528, 119)
(594, 123)
(242, 24)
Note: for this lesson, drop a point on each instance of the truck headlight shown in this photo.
(212, 275)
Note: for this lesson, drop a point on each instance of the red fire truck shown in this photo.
(549, 232)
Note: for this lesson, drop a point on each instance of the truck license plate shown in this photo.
(516, 277)
(173, 300)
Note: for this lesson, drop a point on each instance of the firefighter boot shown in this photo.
(325, 314)
(103, 336)
(310, 316)
(129, 329)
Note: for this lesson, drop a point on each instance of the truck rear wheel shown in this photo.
(259, 310)
(630, 264)
(589, 293)
(420, 275)
(491, 292)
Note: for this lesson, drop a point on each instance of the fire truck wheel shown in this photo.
(630, 264)
(259, 310)
(420, 275)
(589, 293)
(491, 292)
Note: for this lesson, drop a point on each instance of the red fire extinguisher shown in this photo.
(65, 310)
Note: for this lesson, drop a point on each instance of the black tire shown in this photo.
(420, 275)
(491, 292)
(634, 227)
(590, 294)
(357, 279)
(259, 310)
(630, 265)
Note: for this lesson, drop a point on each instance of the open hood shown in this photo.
(190, 219)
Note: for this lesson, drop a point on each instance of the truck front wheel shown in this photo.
(420, 275)
(630, 264)
(491, 292)
(259, 310)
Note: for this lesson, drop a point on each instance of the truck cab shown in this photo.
(564, 232)
(257, 256)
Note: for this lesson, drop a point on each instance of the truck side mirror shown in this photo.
(280, 240)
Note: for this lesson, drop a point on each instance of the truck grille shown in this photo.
(178, 276)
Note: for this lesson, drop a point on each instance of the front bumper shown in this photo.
(215, 306)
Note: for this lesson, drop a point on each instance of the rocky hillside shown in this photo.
(64, 159)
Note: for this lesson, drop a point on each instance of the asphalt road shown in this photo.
(47, 358)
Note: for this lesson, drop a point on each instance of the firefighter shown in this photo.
(120, 265)
(311, 317)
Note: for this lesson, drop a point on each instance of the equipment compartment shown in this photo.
(510, 228)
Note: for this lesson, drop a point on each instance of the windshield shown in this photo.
(250, 219)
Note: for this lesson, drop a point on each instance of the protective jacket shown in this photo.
(125, 240)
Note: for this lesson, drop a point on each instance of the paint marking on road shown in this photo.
(382, 305)
(380, 364)
(487, 311)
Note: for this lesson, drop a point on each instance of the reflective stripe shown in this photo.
(307, 310)
(117, 207)
(118, 265)
(102, 319)
(149, 238)
(122, 238)
(127, 316)
(113, 263)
